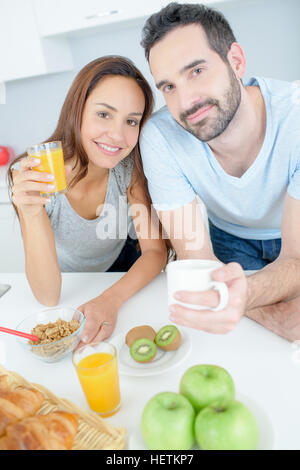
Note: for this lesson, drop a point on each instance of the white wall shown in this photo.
(268, 30)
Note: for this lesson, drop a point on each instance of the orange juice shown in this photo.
(98, 375)
(52, 161)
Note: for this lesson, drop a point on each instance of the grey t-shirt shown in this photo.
(93, 245)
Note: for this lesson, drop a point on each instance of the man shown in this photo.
(237, 147)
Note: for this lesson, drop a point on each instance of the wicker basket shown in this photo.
(94, 433)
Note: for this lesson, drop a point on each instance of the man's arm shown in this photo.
(187, 231)
(280, 280)
(263, 297)
(189, 236)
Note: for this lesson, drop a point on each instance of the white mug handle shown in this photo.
(222, 288)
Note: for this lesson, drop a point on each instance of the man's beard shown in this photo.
(225, 113)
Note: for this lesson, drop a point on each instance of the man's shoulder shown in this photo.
(282, 96)
(273, 87)
(162, 115)
(282, 99)
(162, 124)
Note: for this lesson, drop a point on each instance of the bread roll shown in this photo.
(17, 404)
(53, 431)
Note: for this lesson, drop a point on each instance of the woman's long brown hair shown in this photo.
(70, 119)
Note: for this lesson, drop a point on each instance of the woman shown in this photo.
(99, 126)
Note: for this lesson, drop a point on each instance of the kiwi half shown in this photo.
(168, 338)
(139, 332)
(143, 350)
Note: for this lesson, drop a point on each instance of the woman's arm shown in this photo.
(41, 264)
(153, 248)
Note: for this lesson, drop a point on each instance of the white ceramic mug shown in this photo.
(195, 275)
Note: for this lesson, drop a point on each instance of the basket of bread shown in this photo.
(33, 418)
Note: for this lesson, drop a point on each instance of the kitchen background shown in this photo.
(43, 45)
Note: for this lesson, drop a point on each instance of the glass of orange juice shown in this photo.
(96, 365)
(52, 161)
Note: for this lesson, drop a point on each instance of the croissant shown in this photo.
(17, 404)
(5, 382)
(54, 431)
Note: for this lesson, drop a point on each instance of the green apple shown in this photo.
(203, 384)
(226, 426)
(168, 422)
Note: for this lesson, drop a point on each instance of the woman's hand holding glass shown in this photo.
(28, 185)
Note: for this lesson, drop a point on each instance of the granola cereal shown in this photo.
(54, 331)
(50, 333)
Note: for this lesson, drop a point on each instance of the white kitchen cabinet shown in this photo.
(23, 53)
(56, 17)
(71, 17)
(11, 245)
(12, 258)
(4, 197)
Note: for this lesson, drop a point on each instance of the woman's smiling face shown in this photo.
(111, 120)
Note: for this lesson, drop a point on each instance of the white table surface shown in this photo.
(263, 365)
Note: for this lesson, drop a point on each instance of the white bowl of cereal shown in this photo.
(59, 331)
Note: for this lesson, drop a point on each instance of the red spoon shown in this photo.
(19, 333)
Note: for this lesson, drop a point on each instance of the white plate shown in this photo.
(266, 432)
(163, 361)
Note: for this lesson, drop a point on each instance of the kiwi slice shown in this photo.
(143, 350)
(139, 332)
(168, 338)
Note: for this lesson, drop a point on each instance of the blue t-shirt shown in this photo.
(179, 166)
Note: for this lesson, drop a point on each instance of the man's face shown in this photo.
(201, 91)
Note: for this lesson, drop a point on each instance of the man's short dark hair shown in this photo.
(217, 29)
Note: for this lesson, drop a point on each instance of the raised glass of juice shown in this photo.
(96, 365)
(52, 161)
